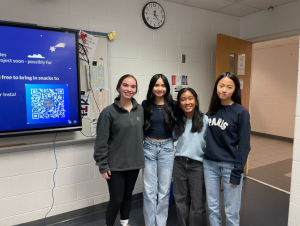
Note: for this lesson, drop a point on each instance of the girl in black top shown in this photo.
(159, 150)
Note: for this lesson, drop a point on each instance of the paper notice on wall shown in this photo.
(100, 100)
(241, 84)
(85, 106)
(90, 43)
(106, 97)
(241, 64)
(94, 127)
(176, 89)
(95, 77)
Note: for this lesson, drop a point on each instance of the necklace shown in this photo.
(159, 108)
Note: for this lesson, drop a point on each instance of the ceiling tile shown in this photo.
(262, 46)
(229, 7)
(264, 4)
(177, 1)
(282, 41)
(235, 1)
(237, 9)
(209, 4)
(276, 42)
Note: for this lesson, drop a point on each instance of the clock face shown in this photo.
(153, 15)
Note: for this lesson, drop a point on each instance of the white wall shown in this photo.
(137, 49)
(25, 177)
(294, 217)
(284, 18)
(274, 89)
(144, 52)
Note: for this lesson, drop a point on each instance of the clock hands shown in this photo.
(155, 15)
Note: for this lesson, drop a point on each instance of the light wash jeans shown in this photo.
(157, 174)
(213, 172)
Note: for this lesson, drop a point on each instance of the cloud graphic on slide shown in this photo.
(62, 45)
(35, 56)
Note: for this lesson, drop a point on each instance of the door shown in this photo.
(229, 49)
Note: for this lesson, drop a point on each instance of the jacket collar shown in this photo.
(118, 106)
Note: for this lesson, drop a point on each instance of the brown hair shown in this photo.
(120, 83)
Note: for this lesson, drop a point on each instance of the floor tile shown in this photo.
(269, 173)
(255, 170)
(259, 176)
(282, 170)
(271, 160)
(283, 179)
(288, 174)
(261, 206)
(278, 184)
(278, 150)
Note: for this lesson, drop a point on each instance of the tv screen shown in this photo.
(39, 80)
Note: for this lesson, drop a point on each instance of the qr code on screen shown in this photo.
(47, 103)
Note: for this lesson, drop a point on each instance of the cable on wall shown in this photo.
(53, 179)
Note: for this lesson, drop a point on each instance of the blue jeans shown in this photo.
(213, 172)
(157, 174)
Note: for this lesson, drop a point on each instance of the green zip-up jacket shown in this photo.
(119, 142)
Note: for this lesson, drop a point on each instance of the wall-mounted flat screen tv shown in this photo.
(39, 80)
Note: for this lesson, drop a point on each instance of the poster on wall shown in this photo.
(100, 100)
(176, 89)
(241, 84)
(95, 77)
(85, 106)
(94, 127)
(241, 64)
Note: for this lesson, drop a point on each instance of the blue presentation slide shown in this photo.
(38, 79)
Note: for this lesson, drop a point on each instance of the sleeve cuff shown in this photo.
(104, 169)
(235, 180)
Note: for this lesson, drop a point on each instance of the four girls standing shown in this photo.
(210, 147)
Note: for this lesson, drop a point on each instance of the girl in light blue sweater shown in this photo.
(188, 178)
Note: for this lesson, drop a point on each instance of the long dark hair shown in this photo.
(120, 83)
(197, 121)
(215, 102)
(168, 106)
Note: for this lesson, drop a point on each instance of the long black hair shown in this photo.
(120, 83)
(168, 105)
(215, 102)
(197, 121)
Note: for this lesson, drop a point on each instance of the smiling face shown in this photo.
(159, 89)
(128, 88)
(187, 103)
(225, 89)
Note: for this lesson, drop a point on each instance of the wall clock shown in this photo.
(153, 15)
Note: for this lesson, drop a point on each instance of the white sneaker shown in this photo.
(124, 222)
